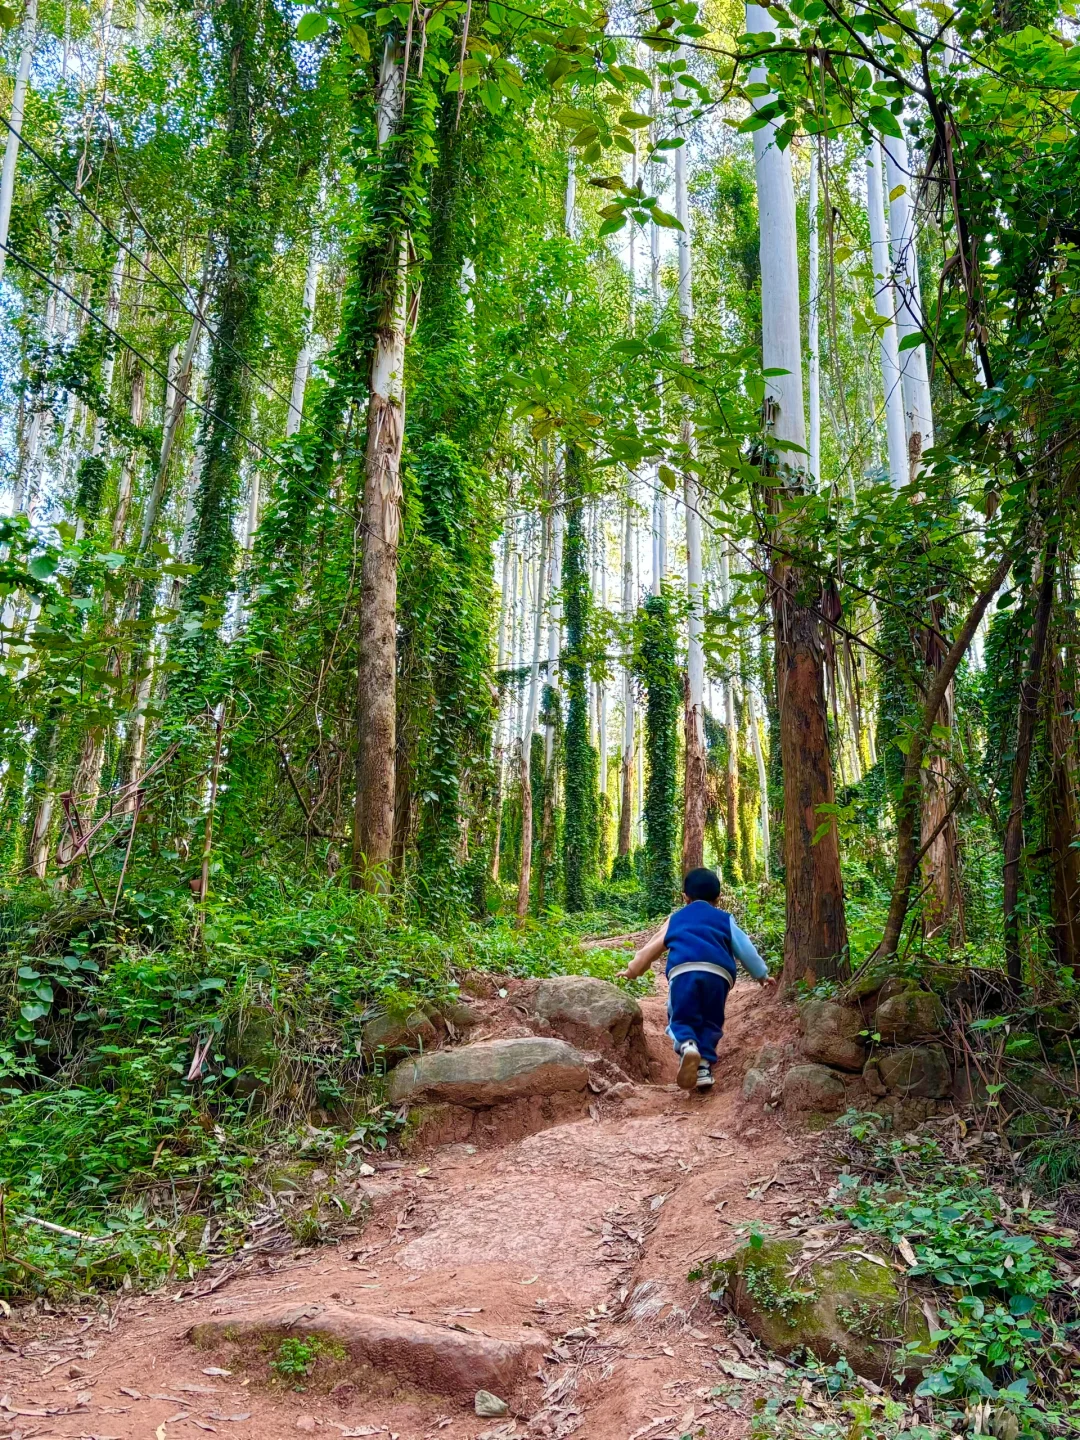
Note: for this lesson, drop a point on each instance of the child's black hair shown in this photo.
(702, 885)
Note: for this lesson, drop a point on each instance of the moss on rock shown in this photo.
(848, 1306)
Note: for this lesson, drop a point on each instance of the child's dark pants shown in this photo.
(696, 1001)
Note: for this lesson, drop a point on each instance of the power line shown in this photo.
(198, 312)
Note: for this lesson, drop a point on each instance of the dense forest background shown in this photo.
(464, 464)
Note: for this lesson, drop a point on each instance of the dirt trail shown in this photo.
(582, 1234)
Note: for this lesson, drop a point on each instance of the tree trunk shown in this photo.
(1064, 825)
(895, 431)
(762, 775)
(579, 765)
(376, 709)
(907, 816)
(813, 322)
(816, 933)
(695, 765)
(914, 376)
(18, 109)
(626, 810)
(1030, 688)
(303, 360)
(525, 871)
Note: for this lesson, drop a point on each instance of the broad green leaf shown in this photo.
(311, 25)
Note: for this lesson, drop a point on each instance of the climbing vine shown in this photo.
(657, 669)
(581, 827)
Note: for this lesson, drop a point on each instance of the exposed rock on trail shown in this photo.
(592, 1014)
(491, 1072)
(431, 1357)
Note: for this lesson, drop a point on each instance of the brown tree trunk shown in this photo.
(373, 825)
(695, 788)
(816, 932)
(1030, 688)
(626, 816)
(1065, 886)
(941, 863)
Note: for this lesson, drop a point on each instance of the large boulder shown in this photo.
(908, 1016)
(831, 1033)
(921, 1071)
(492, 1072)
(812, 1090)
(848, 1306)
(592, 1014)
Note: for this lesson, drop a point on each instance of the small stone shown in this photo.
(909, 1016)
(809, 1088)
(831, 1034)
(305, 1422)
(896, 985)
(923, 1072)
(872, 1078)
(489, 1406)
(754, 1085)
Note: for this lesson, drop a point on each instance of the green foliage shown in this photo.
(993, 1269)
(656, 667)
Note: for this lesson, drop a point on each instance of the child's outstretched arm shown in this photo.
(650, 951)
(746, 954)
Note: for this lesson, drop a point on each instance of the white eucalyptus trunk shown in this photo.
(18, 110)
(781, 342)
(176, 398)
(694, 806)
(762, 775)
(626, 769)
(914, 374)
(884, 303)
(302, 369)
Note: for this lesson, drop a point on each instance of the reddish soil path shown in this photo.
(582, 1234)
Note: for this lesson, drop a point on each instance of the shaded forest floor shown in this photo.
(576, 1240)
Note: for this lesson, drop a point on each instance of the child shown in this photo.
(703, 943)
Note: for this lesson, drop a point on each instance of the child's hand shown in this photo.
(769, 983)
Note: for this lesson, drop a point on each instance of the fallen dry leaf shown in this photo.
(216, 1370)
(216, 1415)
(904, 1246)
(131, 1394)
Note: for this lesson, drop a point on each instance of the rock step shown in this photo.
(430, 1356)
(491, 1072)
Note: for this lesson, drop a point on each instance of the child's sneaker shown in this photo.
(704, 1077)
(688, 1065)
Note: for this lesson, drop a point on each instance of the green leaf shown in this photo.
(1021, 1305)
(610, 226)
(662, 217)
(311, 25)
(634, 120)
(30, 1013)
(42, 566)
(912, 341)
(884, 121)
(358, 39)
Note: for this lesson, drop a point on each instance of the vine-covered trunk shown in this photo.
(531, 713)
(380, 525)
(1063, 820)
(658, 670)
(579, 833)
(1030, 689)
